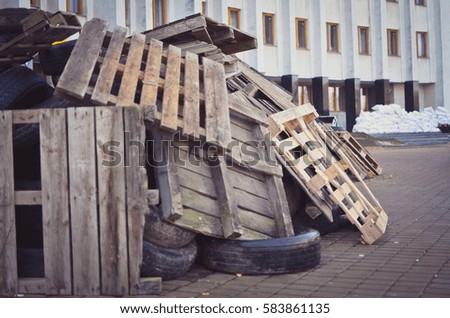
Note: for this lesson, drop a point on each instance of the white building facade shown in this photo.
(341, 55)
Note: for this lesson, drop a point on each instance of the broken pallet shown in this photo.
(298, 139)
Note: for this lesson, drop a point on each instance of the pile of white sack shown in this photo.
(394, 119)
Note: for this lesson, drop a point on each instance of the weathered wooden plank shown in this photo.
(169, 113)
(137, 191)
(150, 286)
(151, 73)
(28, 198)
(77, 73)
(217, 117)
(226, 199)
(199, 202)
(167, 178)
(153, 197)
(196, 182)
(102, 89)
(35, 286)
(280, 206)
(112, 201)
(201, 223)
(29, 116)
(83, 201)
(178, 27)
(247, 110)
(191, 107)
(8, 253)
(246, 183)
(55, 201)
(261, 224)
(130, 77)
(253, 203)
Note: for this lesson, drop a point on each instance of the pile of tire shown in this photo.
(169, 251)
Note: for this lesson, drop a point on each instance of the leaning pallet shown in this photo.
(298, 139)
(192, 103)
(92, 207)
(39, 31)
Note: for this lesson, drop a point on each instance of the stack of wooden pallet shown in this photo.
(40, 30)
(221, 193)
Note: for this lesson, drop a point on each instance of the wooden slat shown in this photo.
(83, 201)
(137, 191)
(107, 74)
(132, 70)
(151, 73)
(167, 178)
(25, 116)
(112, 201)
(191, 107)
(169, 113)
(217, 121)
(35, 286)
(55, 201)
(153, 197)
(176, 28)
(77, 73)
(28, 198)
(8, 253)
(226, 200)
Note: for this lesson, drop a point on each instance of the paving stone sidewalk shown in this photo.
(411, 260)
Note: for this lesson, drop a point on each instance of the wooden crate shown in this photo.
(39, 32)
(93, 211)
(299, 140)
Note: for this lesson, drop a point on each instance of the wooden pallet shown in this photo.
(93, 210)
(236, 199)
(360, 154)
(39, 32)
(191, 97)
(298, 139)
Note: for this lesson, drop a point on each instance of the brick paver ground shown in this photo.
(411, 260)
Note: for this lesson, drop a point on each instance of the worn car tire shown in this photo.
(27, 135)
(10, 19)
(164, 234)
(22, 88)
(54, 59)
(272, 256)
(167, 263)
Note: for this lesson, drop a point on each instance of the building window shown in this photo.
(422, 44)
(301, 32)
(421, 2)
(76, 6)
(234, 17)
(159, 13)
(333, 37)
(363, 40)
(392, 42)
(204, 7)
(268, 25)
(35, 3)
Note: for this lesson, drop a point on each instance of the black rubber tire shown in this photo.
(53, 60)
(22, 88)
(254, 257)
(10, 19)
(30, 262)
(167, 263)
(27, 135)
(164, 234)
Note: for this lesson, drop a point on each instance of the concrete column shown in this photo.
(318, 37)
(382, 92)
(352, 101)
(140, 11)
(380, 64)
(320, 95)
(252, 23)
(290, 83)
(408, 41)
(218, 10)
(350, 52)
(412, 96)
(14, 4)
(112, 11)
